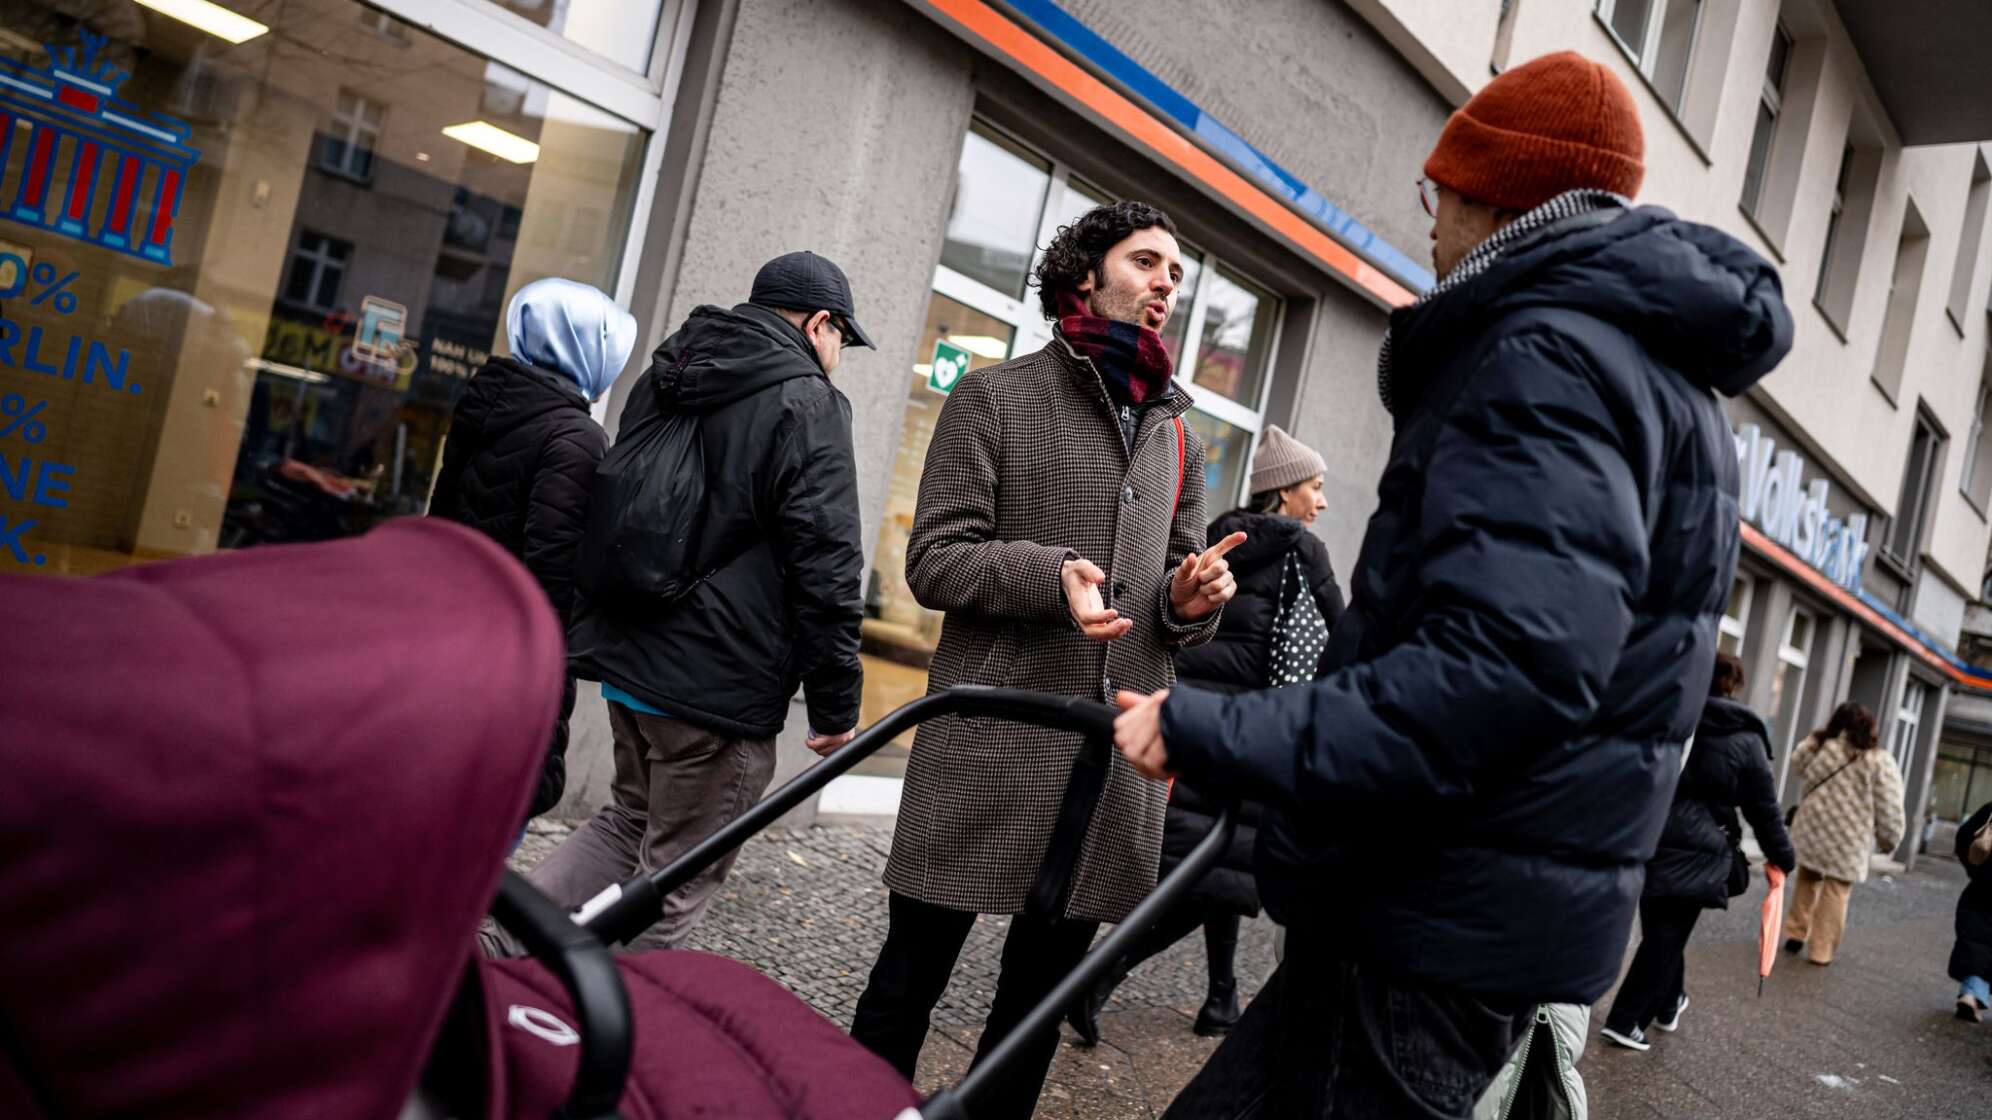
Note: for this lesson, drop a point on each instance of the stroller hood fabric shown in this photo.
(240, 873)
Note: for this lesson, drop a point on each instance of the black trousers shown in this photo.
(1329, 1038)
(921, 945)
(1220, 930)
(1656, 978)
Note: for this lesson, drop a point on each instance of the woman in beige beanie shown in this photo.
(1272, 633)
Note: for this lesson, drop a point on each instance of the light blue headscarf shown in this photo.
(571, 329)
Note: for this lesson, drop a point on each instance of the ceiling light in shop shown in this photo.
(981, 345)
(488, 137)
(211, 18)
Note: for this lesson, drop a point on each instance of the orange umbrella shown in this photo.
(1770, 925)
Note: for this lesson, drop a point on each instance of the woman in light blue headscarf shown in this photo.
(522, 448)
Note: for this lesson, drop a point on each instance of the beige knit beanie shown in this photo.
(1283, 461)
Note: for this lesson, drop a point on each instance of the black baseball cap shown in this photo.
(803, 281)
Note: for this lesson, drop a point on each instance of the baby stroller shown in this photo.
(256, 804)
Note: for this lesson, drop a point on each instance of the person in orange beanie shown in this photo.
(1460, 809)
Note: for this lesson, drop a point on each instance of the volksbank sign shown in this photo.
(1778, 500)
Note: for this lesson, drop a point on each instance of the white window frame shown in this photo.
(1908, 720)
(1739, 626)
(320, 261)
(349, 126)
(1647, 57)
(1026, 318)
(1799, 658)
(1769, 96)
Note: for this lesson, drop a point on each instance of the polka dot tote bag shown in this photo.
(1300, 632)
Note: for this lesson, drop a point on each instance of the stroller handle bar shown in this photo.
(621, 912)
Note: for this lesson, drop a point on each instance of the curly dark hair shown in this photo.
(1077, 250)
(1852, 722)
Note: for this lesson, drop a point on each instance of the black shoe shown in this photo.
(1220, 1011)
(1084, 1016)
(1793, 945)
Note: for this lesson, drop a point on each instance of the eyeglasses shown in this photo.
(1428, 196)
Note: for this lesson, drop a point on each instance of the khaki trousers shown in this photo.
(1818, 913)
(675, 785)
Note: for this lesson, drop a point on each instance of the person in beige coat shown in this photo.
(1852, 803)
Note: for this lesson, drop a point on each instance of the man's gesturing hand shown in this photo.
(1081, 580)
(1204, 582)
(1138, 732)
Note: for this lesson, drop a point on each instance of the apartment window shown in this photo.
(1908, 721)
(1969, 238)
(1788, 685)
(1770, 102)
(1659, 36)
(1834, 217)
(1976, 478)
(1905, 533)
(1905, 289)
(347, 145)
(1846, 235)
(317, 269)
(1735, 618)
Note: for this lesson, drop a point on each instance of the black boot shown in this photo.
(1084, 1016)
(1220, 1011)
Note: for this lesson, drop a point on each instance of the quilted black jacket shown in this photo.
(1469, 797)
(1728, 769)
(517, 465)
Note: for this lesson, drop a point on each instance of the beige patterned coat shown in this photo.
(1027, 467)
(1844, 819)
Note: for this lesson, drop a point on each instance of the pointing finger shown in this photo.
(1217, 551)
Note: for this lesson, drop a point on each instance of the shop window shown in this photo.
(317, 271)
(622, 31)
(1788, 685)
(1659, 37)
(347, 145)
(1905, 288)
(1008, 203)
(1735, 618)
(1770, 102)
(1905, 532)
(1908, 722)
(1970, 236)
(1976, 478)
(1960, 781)
(256, 351)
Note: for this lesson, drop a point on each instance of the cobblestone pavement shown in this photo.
(1871, 1037)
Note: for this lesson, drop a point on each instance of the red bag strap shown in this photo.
(1182, 456)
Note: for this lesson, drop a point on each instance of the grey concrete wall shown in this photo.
(1339, 414)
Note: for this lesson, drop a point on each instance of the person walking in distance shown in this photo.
(1060, 524)
(1273, 633)
(698, 688)
(1531, 626)
(522, 450)
(1971, 954)
(1700, 863)
(1852, 801)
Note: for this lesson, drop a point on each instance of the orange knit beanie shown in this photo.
(1558, 123)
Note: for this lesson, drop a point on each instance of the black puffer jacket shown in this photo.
(1237, 660)
(1470, 797)
(1971, 954)
(1728, 769)
(521, 453)
(781, 523)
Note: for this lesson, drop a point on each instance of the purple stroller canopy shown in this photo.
(252, 808)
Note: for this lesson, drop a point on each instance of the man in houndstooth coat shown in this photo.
(1060, 518)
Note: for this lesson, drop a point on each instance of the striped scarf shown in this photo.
(1569, 204)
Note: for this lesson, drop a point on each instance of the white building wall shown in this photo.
(1696, 165)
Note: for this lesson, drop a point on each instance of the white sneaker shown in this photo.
(1634, 1039)
(1673, 1020)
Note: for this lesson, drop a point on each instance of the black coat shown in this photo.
(1972, 954)
(781, 525)
(1470, 796)
(1237, 659)
(1728, 769)
(517, 464)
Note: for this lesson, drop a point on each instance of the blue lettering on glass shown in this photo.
(68, 116)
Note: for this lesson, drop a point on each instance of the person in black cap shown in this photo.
(698, 690)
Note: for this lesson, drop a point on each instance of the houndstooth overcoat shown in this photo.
(1841, 822)
(1028, 466)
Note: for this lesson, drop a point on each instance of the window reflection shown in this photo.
(1231, 355)
(623, 31)
(1226, 449)
(992, 231)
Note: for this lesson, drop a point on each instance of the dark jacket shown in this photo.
(1470, 797)
(521, 452)
(781, 526)
(1728, 769)
(1236, 660)
(1972, 954)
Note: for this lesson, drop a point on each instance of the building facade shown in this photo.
(361, 186)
